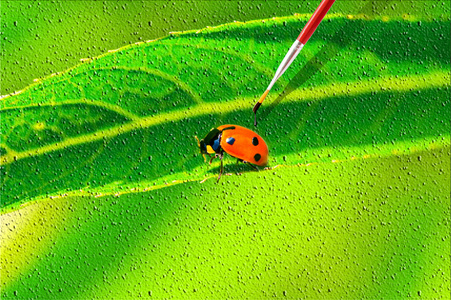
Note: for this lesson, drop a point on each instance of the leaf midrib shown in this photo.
(390, 83)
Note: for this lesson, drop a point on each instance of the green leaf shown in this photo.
(128, 118)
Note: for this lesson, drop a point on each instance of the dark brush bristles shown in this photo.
(257, 105)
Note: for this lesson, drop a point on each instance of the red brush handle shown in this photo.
(314, 21)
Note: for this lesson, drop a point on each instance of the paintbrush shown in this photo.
(302, 39)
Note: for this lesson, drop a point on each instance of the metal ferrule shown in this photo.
(288, 59)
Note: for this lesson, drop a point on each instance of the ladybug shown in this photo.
(240, 142)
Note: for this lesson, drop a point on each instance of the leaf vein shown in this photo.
(397, 83)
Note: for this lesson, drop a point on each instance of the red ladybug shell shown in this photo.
(244, 144)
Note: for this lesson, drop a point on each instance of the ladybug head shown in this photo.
(203, 147)
(210, 143)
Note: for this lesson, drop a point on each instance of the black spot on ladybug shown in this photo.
(257, 157)
(230, 140)
(254, 141)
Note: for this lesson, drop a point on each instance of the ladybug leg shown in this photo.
(221, 170)
(255, 168)
(211, 159)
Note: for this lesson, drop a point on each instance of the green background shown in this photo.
(104, 193)
(40, 38)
